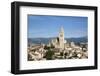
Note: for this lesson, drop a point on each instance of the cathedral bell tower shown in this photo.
(61, 38)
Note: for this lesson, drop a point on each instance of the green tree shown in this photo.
(49, 54)
(61, 53)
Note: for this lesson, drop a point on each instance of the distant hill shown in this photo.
(47, 40)
(39, 40)
(77, 40)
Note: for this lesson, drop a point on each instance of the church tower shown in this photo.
(61, 38)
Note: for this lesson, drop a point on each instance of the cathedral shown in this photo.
(59, 42)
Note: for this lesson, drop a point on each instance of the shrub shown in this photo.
(49, 55)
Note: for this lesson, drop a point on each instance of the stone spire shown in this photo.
(61, 38)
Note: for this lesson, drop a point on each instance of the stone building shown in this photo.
(59, 42)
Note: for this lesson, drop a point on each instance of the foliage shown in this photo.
(49, 55)
(61, 53)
